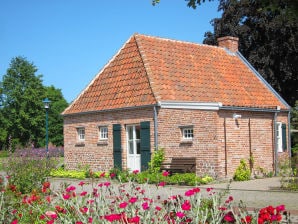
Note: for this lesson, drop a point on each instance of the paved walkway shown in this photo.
(256, 193)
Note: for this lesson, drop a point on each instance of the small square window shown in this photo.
(187, 133)
(81, 134)
(103, 133)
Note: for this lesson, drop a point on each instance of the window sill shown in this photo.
(186, 141)
(80, 144)
(102, 142)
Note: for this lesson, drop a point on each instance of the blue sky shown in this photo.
(70, 41)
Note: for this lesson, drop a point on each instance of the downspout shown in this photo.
(226, 153)
(289, 136)
(251, 160)
(275, 148)
(155, 129)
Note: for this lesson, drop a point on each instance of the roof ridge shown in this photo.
(178, 41)
(147, 68)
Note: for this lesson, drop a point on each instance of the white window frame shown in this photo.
(81, 134)
(187, 133)
(279, 136)
(103, 132)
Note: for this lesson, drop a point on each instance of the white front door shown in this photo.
(133, 147)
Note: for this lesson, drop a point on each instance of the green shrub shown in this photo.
(158, 157)
(27, 173)
(242, 172)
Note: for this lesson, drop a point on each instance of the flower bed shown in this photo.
(126, 203)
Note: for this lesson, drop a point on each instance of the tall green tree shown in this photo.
(267, 32)
(57, 106)
(22, 93)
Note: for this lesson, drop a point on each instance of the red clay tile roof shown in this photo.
(148, 69)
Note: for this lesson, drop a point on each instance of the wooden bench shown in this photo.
(180, 165)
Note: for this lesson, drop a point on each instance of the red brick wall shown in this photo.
(99, 155)
(204, 144)
(218, 138)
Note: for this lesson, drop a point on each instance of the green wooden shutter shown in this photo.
(117, 150)
(145, 145)
(284, 136)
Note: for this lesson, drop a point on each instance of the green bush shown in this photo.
(27, 173)
(158, 157)
(242, 172)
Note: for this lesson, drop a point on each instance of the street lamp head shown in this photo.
(46, 103)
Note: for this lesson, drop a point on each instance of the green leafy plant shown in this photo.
(27, 173)
(158, 157)
(242, 172)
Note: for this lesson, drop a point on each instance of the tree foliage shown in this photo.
(267, 32)
(22, 111)
(57, 106)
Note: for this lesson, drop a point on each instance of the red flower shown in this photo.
(14, 221)
(135, 171)
(107, 184)
(189, 193)
(113, 217)
(51, 214)
(81, 183)
(102, 174)
(162, 184)
(157, 208)
(90, 219)
(83, 193)
(123, 205)
(145, 206)
(112, 175)
(135, 219)
(280, 208)
(186, 205)
(229, 217)
(165, 173)
(70, 188)
(133, 200)
(66, 196)
(247, 219)
(180, 214)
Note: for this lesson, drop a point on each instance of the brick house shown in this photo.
(191, 99)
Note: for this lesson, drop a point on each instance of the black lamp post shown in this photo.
(46, 103)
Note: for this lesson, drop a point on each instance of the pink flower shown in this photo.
(180, 214)
(145, 206)
(135, 219)
(186, 205)
(14, 221)
(83, 193)
(79, 222)
(157, 208)
(280, 208)
(209, 189)
(107, 184)
(229, 217)
(162, 184)
(189, 193)
(70, 188)
(123, 205)
(81, 183)
(133, 200)
(165, 173)
(113, 217)
(135, 171)
(66, 196)
(112, 175)
(90, 219)
(51, 214)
